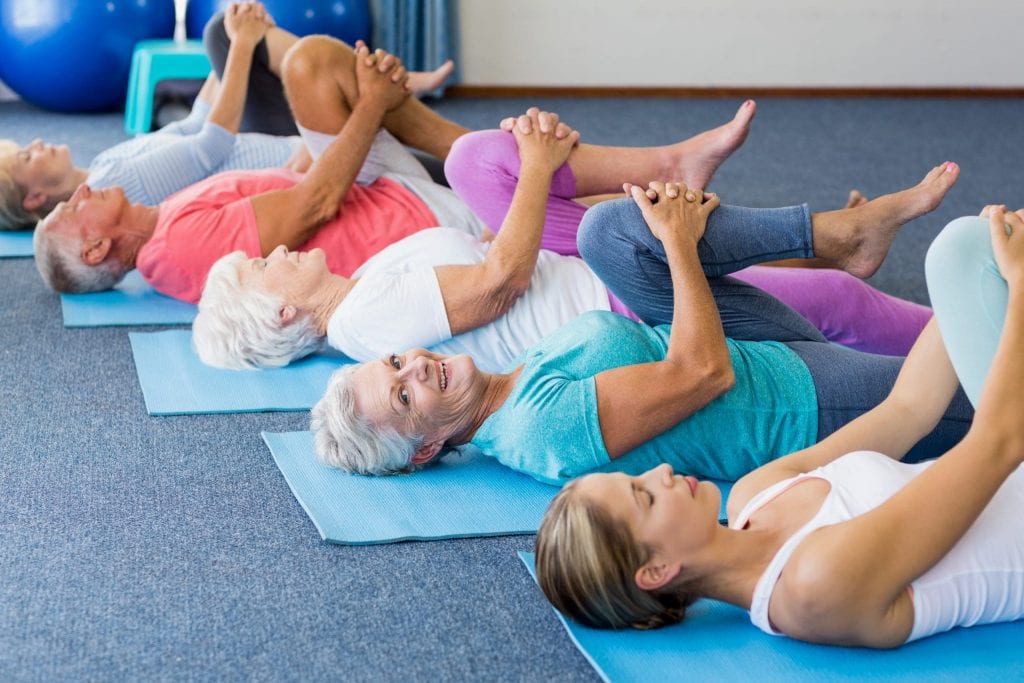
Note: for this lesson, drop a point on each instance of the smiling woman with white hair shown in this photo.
(456, 294)
(610, 394)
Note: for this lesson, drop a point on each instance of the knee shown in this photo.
(964, 245)
(609, 228)
(315, 57)
(215, 40)
(481, 153)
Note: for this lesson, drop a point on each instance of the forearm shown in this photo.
(230, 100)
(697, 337)
(328, 181)
(513, 254)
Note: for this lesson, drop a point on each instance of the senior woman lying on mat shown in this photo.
(150, 168)
(606, 393)
(442, 289)
(839, 543)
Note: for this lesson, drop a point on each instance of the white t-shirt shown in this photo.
(397, 304)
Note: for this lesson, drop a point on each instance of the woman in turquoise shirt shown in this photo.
(606, 393)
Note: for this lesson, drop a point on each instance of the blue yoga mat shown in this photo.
(465, 495)
(717, 642)
(132, 302)
(16, 244)
(175, 382)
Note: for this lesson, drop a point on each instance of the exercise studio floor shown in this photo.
(138, 548)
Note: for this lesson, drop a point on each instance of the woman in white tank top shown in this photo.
(838, 543)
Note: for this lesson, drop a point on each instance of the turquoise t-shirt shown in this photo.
(549, 428)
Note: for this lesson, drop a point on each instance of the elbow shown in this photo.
(720, 377)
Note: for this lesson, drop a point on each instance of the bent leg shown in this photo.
(320, 82)
(266, 108)
(847, 310)
(849, 383)
(969, 296)
(483, 169)
(620, 248)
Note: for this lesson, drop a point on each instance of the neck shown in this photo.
(733, 563)
(137, 230)
(495, 393)
(326, 301)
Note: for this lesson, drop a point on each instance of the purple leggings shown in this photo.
(483, 169)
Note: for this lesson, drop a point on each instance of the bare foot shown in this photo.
(695, 160)
(422, 82)
(859, 238)
(855, 199)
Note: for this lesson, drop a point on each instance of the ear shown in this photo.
(34, 201)
(95, 251)
(286, 314)
(656, 573)
(426, 452)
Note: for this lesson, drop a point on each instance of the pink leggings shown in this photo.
(483, 169)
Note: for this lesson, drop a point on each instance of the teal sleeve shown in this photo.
(969, 297)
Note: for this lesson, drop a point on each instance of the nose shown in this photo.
(663, 474)
(82, 192)
(416, 368)
(280, 251)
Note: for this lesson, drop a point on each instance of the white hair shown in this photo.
(349, 441)
(58, 259)
(240, 327)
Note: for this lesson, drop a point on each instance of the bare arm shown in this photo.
(866, 564)
(638, 402)
(925, 386)
(478, 294)
(291, 216)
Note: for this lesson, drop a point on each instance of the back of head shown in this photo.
(349, 441)
(13, 215)
(240, 327)
(58, 259)
(586, 566)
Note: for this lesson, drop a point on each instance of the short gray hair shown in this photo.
(349, 441)
(13, 215)
(59, 261)
(239, 327)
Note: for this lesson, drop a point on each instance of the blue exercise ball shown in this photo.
(75, 55)
(348, 20)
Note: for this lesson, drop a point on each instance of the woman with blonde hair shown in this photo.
(838, 543)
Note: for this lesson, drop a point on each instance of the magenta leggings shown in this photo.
(483, 169)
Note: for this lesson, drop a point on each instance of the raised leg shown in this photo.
(320, 83)
(266, 109)
(970, 298)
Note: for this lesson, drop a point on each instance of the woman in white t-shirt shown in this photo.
(444, 289)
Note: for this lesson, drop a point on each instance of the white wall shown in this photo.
(766, 43)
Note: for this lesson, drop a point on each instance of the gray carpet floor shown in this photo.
(146, 548)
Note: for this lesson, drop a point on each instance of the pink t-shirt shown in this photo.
(214, 217)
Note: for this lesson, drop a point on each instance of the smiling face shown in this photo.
(293, 276)
(43, 171)
(420, 393)
(672, 514)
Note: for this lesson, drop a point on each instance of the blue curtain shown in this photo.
(422, 33)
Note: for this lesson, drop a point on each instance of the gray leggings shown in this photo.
(617, 244)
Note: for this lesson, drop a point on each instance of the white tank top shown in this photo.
(980, 580)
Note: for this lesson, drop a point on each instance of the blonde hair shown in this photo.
(13, 215)
(586, 566)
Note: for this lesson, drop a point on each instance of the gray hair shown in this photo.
(13, 215)
(60, 264)
(239, 327)
(349, 441)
